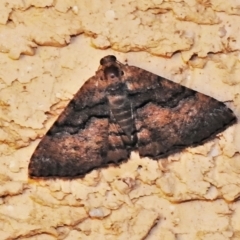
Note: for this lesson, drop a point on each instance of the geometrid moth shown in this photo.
(122, 109)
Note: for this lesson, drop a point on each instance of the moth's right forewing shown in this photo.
(78, 140)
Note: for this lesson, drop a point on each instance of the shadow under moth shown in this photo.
(122, 109)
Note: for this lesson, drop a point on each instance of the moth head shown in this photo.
(108, 59)
(111, 69)
(112, 73)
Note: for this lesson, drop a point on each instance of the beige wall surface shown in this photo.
(48, 49)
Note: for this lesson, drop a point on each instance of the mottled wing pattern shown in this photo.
(121, 109)
(69, 155)
(78, 141)
(170, 117)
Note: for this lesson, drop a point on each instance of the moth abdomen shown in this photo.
(121, 109)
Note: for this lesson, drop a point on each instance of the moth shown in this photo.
(122, 109)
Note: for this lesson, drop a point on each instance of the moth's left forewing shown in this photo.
(169, 116)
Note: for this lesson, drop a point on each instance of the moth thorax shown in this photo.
(112, 72)
(117, 88)
(118, 101)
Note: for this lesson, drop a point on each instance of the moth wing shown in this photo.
(78, 140)
(170, 117)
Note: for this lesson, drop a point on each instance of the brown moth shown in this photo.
(122, 109)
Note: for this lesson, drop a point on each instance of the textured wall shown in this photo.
(48, 49)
